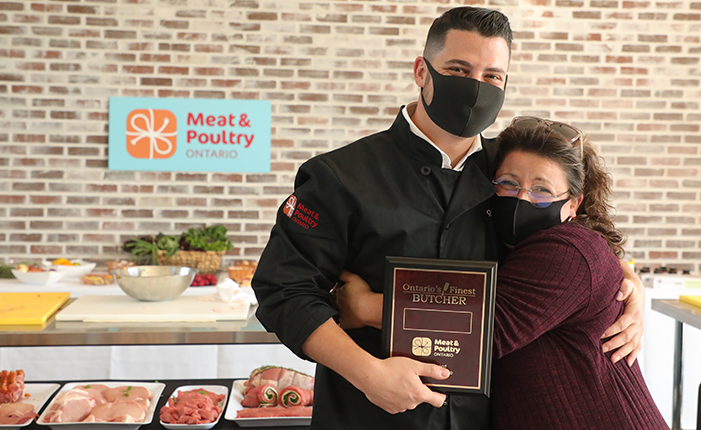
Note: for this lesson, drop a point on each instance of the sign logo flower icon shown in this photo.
(421, 346)
(151, 133)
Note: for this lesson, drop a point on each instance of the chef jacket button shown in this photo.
(445, 402)
(425, 170)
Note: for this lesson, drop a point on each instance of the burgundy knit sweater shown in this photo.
(555, 297)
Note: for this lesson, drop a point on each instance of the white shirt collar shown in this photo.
(476, 146)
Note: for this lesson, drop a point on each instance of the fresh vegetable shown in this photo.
(202, 280)
(142, 248)
(212, 238)
(6, 271)
(170, 244)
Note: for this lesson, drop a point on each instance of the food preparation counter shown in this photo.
(69, 333)
(61, 350)
(170, 386)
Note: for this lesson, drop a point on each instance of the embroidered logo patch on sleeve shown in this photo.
(289, 208)
(300, 214)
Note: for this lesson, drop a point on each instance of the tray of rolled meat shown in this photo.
(272, 397)
(106, 405)
(21, 402)
(194, 407)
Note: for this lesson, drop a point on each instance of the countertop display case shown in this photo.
(63, 350)
(170, 387)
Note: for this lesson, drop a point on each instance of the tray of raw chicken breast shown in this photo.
(102, 406)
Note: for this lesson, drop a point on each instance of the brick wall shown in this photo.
(627, 72)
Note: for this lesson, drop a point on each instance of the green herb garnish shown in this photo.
(126, 392)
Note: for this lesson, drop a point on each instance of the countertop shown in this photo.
(60, 333)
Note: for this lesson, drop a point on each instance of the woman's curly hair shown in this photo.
(586, 174)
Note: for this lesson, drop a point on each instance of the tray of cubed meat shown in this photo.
(272, 397)
(21, 402)
(194, 407)
(105, 405)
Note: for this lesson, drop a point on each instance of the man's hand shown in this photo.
(358, 305)
(628, 329)
(394, 384)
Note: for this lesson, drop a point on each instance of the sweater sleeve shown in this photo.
(304, 255)
(544, 283)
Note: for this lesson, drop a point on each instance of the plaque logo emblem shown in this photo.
(421, 346)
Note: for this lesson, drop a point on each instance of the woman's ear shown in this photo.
(575, 203)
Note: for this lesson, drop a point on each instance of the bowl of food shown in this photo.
(154, 283)
(36, 275)
(117, 264)
(242, 272)
(71, 268)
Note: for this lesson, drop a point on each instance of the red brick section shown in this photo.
(626, 72)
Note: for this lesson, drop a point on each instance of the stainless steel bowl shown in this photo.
(154, 283)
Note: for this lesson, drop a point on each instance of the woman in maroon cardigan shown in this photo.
(556, 291)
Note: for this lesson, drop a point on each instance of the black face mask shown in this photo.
(462, 106)
(516, 219)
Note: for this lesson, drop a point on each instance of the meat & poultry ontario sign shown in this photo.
(189, 135)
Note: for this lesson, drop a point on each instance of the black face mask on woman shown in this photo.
(462, 106)
(516, 219)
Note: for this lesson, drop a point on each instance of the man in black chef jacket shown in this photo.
(418, 189)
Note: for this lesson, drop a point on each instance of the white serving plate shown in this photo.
(216, 389)
(38, 278)
(156, 388)
(39, 394)
(235, 405)
(71, 271)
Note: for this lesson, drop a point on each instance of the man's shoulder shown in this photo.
(368, 147)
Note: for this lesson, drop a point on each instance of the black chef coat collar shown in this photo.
(414, 144)
(473, 187)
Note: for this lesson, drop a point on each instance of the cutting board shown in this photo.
(30, 308)
(692, 300)
(126, 309)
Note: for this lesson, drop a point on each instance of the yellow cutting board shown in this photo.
(30, 308)
(692, 300)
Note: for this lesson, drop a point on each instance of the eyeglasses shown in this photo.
(565, 130)
(539, 196)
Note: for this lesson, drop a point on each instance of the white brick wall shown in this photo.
(627, 72)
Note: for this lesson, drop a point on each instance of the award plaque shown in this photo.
(442, 312)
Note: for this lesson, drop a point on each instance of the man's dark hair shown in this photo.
(486, 22)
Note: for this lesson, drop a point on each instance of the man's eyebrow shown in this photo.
(468, 65)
